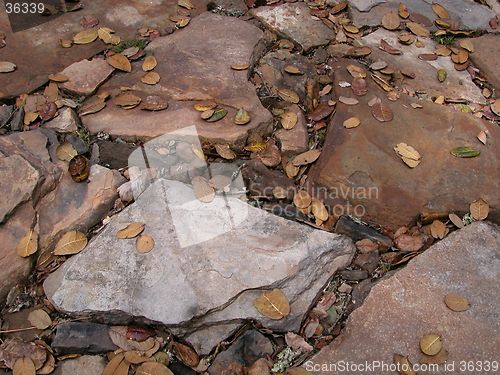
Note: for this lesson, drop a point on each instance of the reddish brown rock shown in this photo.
(84, 77)
(294, 141)
(37, 51)
(192, 68)
(366, 178)
(486, 56)
(410, 304)
(65, 122)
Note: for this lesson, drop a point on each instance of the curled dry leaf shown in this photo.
(456, 220)
(240, 66)
(242, 117)
(356, 71)
(479, 209)
(439, 229)
(292, 70)
(71, 242)
(120, 62)
(132, 230)
(7, 67)
(187, 355)
(217, 115)
(456, 302)
(24, 366)
(202, 189)
(273, 304)
(404, 365)
(127, 100)
(431, 344)
(49, 365)
(225, 151)
(289, 120)
(79, 168)
(382, 112)
(385, 46)
(149, 63)
(289, 95)
(307, 157)
(153, 368)
(440, 11)
(28, 244)
(144, 243)
(150, 78)
(118, 335)
(403, 11)
(351, 122)
(92, 105)
(297, 342)
(85, 36)
(408, 154)
(185, 4)
(39, 319)
(302, 199)
(114, 366)
(482, 137)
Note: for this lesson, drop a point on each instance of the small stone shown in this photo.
(358, 231)
(84, 365)
(65, 122)
(82, 338)
(294, 141)
(344, 288)
(354, 275)
(84, 77)
(368, 262)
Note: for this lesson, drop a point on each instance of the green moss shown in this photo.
(122, 46)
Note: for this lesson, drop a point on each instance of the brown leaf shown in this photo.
(404, 365)
(366, 245)
(185, 4)
(289, 95)
(418, 29)
(24, 366)
(202, 189)
(495, 107)
(114, 366)
(351, 122)
(291, 170)
(240, 66)
(431, 344)
(439, 229)
(307, 157)
(289, 120)
(461, 57)
(466, 44)
(297, 342)
(242, 117)
(144, 243)
(322, 111)
(356, 71)
(482, 137)
(92, 105)
(153, 368)
(132, 230)
(28, 244)
(71, 242)
(385, 46)
(7, 67)
(187, 355)
(479, 209)
(139, 333)
(319, 210)
(149, 63)
(391, 20)
(225, 151)
(408, 243)
(49, 365)
(120, 62)
(440, 11)
(150, 78)
(292, 70)
(273, 304)
(302, 199)
(85, 37)
(382, 112)
(58, 77)
(359, 86)
(13, 349)
(403, 11)
(408, 154)
(348, 101)
(456, 220)
(39, 319)
(136, 357)
(127, 100)
(270, 156)
(154, 103)
(79, 168)
(456, 302)
(118, 335)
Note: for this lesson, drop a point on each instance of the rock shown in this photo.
(367, 179)
(16, 321)
(294, 21)
(260, 180)
(84, 365)
(84, 77)
(192, 68)
(248, 348)
(115, 154)
(14, 268)
(16, 123)
(486, 57)
(306, 85)
(458, 85)
(65, 122)
(368, 261)
(82, 338)
(213, 286)
(36, 60)
(232, 8)
(354, 275)
(18, 180)
(358, 231)
(411, 304)
(77, 206)
(205, 339)
(365, 5)
(5, 114)
(296, 140)
(467, 13)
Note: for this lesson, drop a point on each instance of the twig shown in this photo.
(18, 330)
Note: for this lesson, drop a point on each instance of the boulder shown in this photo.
(192, 68)
(65, 122)
(486, 57)
(84, 77)
(403, 308)
(210, 262)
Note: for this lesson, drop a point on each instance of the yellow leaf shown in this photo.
(149, 63)
(39, 319)
(71, 242)
(85, 36)
(289, 120)
(431, 344)
(479, 209)
(273, 304)
(289, 95)
(66, 151)
(24, 366)
(456, 302)
(302, 199)
(28, 244)
(120, 62)
(151, 78)
(144, 243)
(132, 230)
(307, 157)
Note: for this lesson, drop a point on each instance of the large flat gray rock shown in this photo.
(210, 262)
(400, 310)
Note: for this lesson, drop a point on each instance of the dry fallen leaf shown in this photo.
(418, 29)
(242, 117)
(150, 78)
(456, 220)
(48, 367)
(217, 115)
(270, 156)
(273, 304)
(240, 66)
(302, 199)
(405, 366)
(288, 95)
(71, 242)
(456, 302)
(495, 107)
(319, 210)
(132, 230)
(154, 103)
(127, 100)
(297, 342)
(439, 358)
(120, 62)
(382, 112)
(431, 344)
(390, 20)
(185, 4)
(289, 120)
(28, 244)
(39, 319)
(351, 122)
(439, 229)
(291, 170)
(202, 189)
(466, 44)
(440, 11)
(7, 67)
(65, 151)
(153, 368)
(408, 154)
(144, 243)
(307, 157)
(85, 36)
(92, 105)
(187, 355)
(356, 71)
(292, 69)
(403, 11)
(24, 366)
(482, 137)
(115, 366)
(348, 101)
(225, 151)
(479, 209)
(149, 63)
